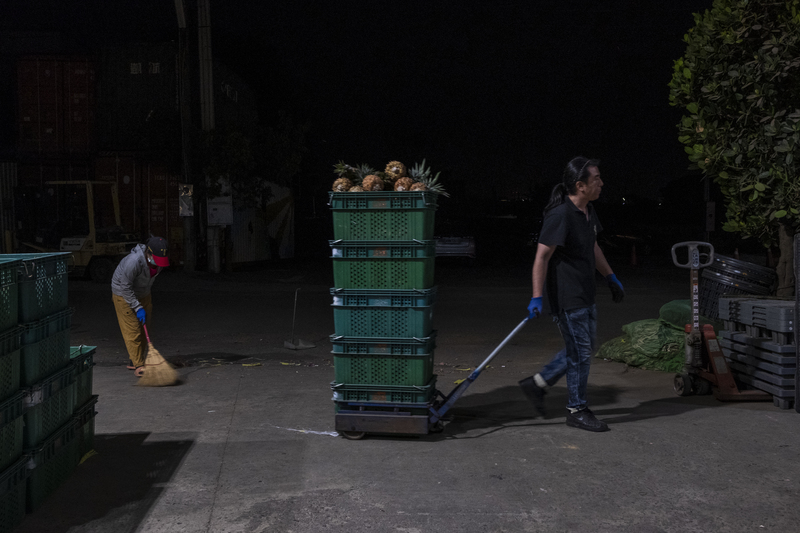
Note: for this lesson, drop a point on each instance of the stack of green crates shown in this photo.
(13, 464)
(43, 383)
(383, 256)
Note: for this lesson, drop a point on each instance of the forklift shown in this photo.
(82, 217)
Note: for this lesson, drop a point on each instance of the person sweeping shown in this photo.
(130, 288)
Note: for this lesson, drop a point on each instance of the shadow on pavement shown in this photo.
(508, 407)
(113, 490)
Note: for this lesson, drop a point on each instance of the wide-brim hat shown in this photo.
(158, 247)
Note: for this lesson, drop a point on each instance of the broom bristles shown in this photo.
(157, 370)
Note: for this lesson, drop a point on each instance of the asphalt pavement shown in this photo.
(246, 442)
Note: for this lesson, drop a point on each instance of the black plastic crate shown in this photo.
(9, 361)
(51, 463)
(82, 361)
(42, 284)
(44, 347)
(84, 420)
(9, 293)
(48, 405)
(11, 424)
(12, 494)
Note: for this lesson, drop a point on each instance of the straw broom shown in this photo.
(157, 371)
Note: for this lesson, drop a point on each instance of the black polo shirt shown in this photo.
(570, 274)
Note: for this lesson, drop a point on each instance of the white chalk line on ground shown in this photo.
(329, 433)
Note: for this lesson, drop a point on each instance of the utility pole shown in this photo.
(184, 99)
(207, 110)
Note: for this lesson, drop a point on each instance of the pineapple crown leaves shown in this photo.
(364, 170)
(422, 174)
(419, 172)
(433, 185)
(354, 174)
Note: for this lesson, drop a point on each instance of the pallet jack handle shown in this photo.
(438, 413)
(698, 251)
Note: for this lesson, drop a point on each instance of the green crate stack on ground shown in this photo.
(47, 383)
(383, 256)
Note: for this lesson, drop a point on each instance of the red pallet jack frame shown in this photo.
(705, 370)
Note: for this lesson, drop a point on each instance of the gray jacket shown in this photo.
(132, 277)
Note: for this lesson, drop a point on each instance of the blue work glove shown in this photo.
(535, 308)
(617, 292)
(140, 314)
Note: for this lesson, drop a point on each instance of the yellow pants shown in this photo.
(131, 328)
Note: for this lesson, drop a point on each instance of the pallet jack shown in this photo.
(705, 369)
(355, 424)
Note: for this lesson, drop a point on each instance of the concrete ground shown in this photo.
(246, 443)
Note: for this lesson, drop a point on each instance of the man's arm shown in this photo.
(539, 274)
(600, 262)
(617, 292)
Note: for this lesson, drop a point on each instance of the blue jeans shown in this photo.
(579, 329)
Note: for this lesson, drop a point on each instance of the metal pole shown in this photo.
(794, 320)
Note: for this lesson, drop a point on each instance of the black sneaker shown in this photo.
(534, 392)
(585, 419)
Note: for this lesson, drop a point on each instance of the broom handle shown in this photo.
(145, 333)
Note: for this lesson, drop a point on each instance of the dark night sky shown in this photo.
(498, 95)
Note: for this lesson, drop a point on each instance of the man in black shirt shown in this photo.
(563, 271)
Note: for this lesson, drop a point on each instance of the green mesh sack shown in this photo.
(678, 313)
(653, 344)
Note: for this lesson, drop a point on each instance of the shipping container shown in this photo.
(148, 196)
(8, 182)
(123, 169)
(163, 219)
(138, 98)
(42, 215)
(55, 105)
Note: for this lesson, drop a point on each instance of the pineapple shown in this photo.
(356, 188)
(372, 183)
(418, 186)
(363, 170)
(403, 184)
(342, 185)
(420, 174)
(395, 170)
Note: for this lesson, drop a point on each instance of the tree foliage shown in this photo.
(739, 83)
(248, 163)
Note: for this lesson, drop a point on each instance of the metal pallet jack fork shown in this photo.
(355, 424)
(705, 369)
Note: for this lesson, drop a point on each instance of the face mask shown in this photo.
(151, 262)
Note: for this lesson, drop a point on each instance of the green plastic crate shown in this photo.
(9, 292)
(84, 418)
(384, 297)
(374, 321)
(82, 361)
(383, 264)
(381, 200)
(47, 406)
(9, 362)
(12, 494)
(365, 369)
(384, 394)
(384, 225)
(51, 463)
(42, 284)
(45, 347)
(383, 345)
(10, 430)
